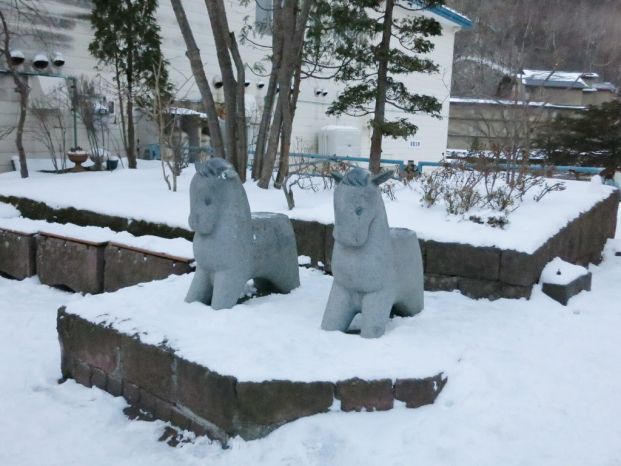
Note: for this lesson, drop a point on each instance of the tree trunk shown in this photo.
(221, 31)
(272, 148)
(375, 155)
(240, 117)
(268, 106)
(131, 138)
(264, 126)
(22, 87)
(119, 90)
(24, 91)
(196, 64)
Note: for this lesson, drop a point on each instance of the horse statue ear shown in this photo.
(382, 177)
(337, 177)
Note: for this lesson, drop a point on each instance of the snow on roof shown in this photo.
(445, 12)
(552, 78)
(565, 80)
(605, 86)
(185, 111)
(466, 100)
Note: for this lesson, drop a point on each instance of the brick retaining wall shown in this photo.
(191, 396)
(478, 272)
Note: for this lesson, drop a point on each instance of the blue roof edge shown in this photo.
(453, 16)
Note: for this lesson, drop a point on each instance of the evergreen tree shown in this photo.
(373, 46)
(127, 38)
(593, 137)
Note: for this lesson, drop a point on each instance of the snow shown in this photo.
(530, 382)
(8, 211)
(178, 247)
(559, 272)
(109, 192)
(468, 100)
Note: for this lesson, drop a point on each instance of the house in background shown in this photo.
(64, 26)
(522, 104)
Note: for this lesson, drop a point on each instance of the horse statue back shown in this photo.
(231, 246)
(376, 269)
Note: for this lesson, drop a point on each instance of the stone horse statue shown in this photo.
(231, 246)
(376, 269)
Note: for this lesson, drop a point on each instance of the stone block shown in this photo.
(82, 373)
(99, 378)
(357, 394)
(515, 291)
(147, 401)
(419, 392)
(462, 260)
(125, 266)
(17, 254)
(311, 240)
(435, 282)
(563, 293)
(147, 366)
(264, 406)
(115, 386)
(131, 393)
(206, 394)
(179, 419)
(85, 341)
(481, 289)
(77, 265)
(522, 269)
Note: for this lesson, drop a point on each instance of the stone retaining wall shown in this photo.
(126, 266)
(17, 254)
(478, 272)
(193, 397)
(70, 263)
(83, 266)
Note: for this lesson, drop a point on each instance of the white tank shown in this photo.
(339, 140)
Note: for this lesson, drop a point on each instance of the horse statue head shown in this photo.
(357, 202)
(214, 186)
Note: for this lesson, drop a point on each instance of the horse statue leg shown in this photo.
(340, 310)
(376, 307)
(228, 286)
(201, 288)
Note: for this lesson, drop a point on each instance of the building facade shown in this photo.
(63, 26)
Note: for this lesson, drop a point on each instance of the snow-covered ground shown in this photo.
(141, 194)
(530, 383)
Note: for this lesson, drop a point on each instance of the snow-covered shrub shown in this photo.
(485, 183)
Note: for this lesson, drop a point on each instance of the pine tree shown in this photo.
(374, 46)
(593, 137)
(127, 38)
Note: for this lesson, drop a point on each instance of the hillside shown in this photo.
(576, 35)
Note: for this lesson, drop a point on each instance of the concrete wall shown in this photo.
(485, 124)
(64, 26)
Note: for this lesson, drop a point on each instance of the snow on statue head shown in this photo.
(231, 246)
(376, 269)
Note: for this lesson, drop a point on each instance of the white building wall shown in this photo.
(72, 34)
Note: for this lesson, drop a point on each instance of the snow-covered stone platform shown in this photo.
(247, 370)
(478, 260)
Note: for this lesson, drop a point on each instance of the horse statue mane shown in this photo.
(215, 167)
(376, 269)
(231, 246)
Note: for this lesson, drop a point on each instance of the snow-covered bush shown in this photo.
(488, 185)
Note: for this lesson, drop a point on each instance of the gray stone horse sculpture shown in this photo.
(231, 246)
(376, 269)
